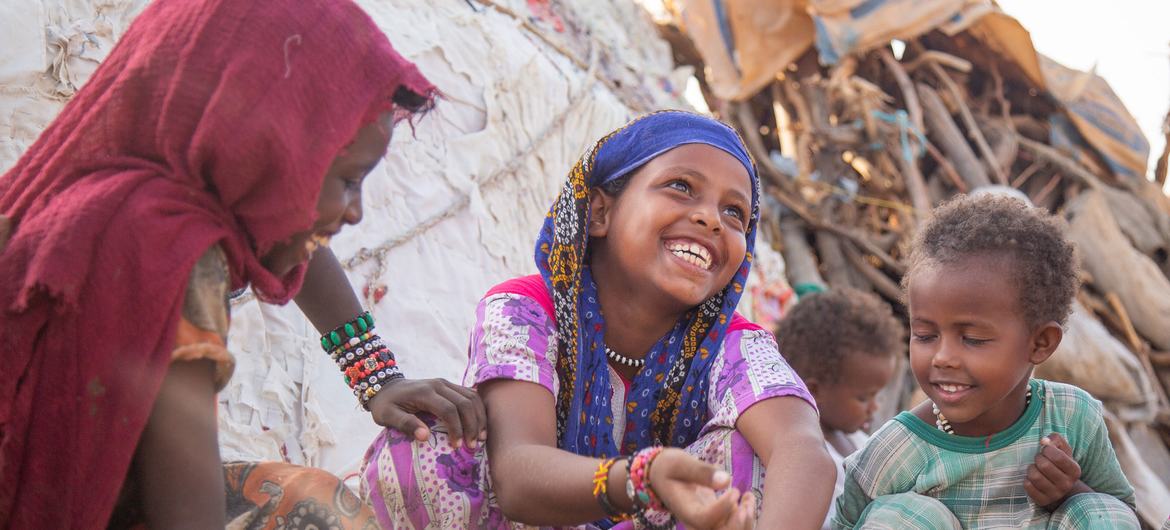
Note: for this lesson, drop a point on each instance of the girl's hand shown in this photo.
(686, 485)
(744, 516)
(396, 406)
(1055, 475)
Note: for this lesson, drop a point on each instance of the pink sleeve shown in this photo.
(513, 338)
(749, 370)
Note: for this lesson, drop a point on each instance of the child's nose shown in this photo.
(706, 216)
(944, 357)
(353, 212)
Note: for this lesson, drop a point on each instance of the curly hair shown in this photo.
(823, 328)
(1044, 265)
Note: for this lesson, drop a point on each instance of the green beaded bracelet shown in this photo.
(343, 333)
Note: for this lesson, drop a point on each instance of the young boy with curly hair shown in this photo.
(844, 344)
(990, 285)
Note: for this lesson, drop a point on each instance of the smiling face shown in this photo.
(971, 349)
(677, 231)
(340, 200)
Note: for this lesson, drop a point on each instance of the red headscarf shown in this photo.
(212, 121)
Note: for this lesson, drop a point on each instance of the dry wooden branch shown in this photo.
(973, 130)
(816, 97)
(913, 108)
(937, 57)
(1055, 157)
(942, 128)
(1029, 127)
(1004, 142)
(782, 183)
(882, 283)
(947, 168)
(750, 130)
(835, 267)
(799, 260)
(915, 184)
(1026, 174)
(1005, 108)
(799, 209)
(1042, 195)
(1131, 334)
(785, 129)
(804, 136)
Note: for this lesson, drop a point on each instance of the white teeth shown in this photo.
(693, 253)
(686, 255)
(953, 388)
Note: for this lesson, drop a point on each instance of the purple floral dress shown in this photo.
(425, 485)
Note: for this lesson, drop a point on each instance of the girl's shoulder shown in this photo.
(520, 305)
(531, 287)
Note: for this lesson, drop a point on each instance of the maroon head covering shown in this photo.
(212, 121)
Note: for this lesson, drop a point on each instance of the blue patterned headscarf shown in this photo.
(667, 402)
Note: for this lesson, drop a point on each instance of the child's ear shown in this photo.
(600, 208)
(1044, 342)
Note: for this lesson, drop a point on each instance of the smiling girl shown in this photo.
(990, 284)
(620, 382)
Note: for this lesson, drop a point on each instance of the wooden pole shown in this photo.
(946, 135)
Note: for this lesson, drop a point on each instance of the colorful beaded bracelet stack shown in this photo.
(601, 491)
(639, 489)
(362, 356)
(638, 483)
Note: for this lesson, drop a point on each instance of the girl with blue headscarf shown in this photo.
(622, 388)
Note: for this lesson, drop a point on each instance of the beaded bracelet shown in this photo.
(348, 358)
(347, 332)
(601, 491)
(362, 356)
(638, 481)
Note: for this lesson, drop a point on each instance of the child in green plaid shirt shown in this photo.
(990, 284)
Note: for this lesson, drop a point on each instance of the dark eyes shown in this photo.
(683, 186)
(925, 337)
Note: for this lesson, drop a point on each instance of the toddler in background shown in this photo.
(844, 344)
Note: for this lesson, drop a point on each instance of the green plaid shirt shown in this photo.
(981, 479)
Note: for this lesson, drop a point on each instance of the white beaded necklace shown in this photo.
(623, 360)
(944, 425)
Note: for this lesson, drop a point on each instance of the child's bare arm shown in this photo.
(538, 484)
(177, 460)
(798, 486)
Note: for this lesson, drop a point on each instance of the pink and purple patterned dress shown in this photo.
(428, 484)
